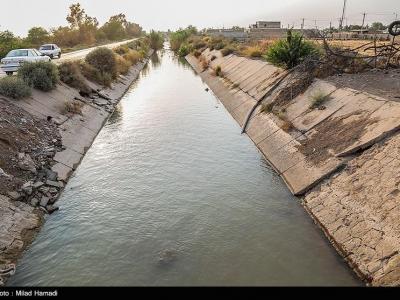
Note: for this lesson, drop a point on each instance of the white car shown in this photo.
(51, 50)
(15, 58)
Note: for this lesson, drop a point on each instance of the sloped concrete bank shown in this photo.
(341, 155)
(23, 211)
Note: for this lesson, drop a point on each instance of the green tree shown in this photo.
(378, 26)
(37, 36)
(9, 41)
(114, 29)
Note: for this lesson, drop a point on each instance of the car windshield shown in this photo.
(46, 47)
(17, 53)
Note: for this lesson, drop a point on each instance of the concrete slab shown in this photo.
(301, 103)
(240, 114)
(63, 172)
(69, 158)
(385, 121)
(304, 176)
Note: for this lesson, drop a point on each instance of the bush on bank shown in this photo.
(14, 87)
(103, 60)
(70, 74)
(290, 52)
(155, 40)
(40, 75)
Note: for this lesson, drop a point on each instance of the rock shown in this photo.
(52, 209)
(45, 201)
(44, 189)
(4, 174)
(53, 191)
(27, 188)
(35, 202)
(26, 163)
(51, 175)
(56, 184)
(15, 196)
(37, 185)
(100, 102)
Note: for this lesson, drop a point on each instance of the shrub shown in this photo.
(74, 107)
(70, 74)
(95, 75)
(156, 40)
(199, 45)
(318, 99)
(133, 57)
(122, 65)
(197, 54)
(227, 50)
(40, 75)
(103, 59)
(253, 51)
(219, 46)
(218, 71)
(184, 50)
(14, 87)
(122, 50)
(291, 51)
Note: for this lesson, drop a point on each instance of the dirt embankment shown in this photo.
(27, 146)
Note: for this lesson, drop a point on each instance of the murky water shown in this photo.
(172, 194)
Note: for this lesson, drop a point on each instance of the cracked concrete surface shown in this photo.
(359, 210)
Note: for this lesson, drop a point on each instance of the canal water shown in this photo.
(172, 194)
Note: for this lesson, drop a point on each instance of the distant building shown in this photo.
(267, 25)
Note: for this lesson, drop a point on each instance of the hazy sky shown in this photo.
(20, 15)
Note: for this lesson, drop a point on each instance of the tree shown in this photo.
(378, 26)
(76, 15)
(9, 41)
(37, 36)
(115, 28)
(133, 29)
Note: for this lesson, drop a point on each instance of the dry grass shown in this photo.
(123, 65)
(74, 107)
(318, 99)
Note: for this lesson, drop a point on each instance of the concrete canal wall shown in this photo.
(23, 212)
(342, 158)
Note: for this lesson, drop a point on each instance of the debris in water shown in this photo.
(167, 257)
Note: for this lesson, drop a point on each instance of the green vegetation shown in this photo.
(14, 87)
(218, 71)
(178, 38)
(184, 50)
(82, 31)
(227, 50)
(156, 40)
(70, 74)
(103, 60)
(40, 75)
(291, 51)
(318, 99)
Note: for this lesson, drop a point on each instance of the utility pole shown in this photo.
(363, 22)
(315, 22)
(343, 15)
(302, 24)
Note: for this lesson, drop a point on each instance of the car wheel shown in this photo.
(9, 73)
(59, 55)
